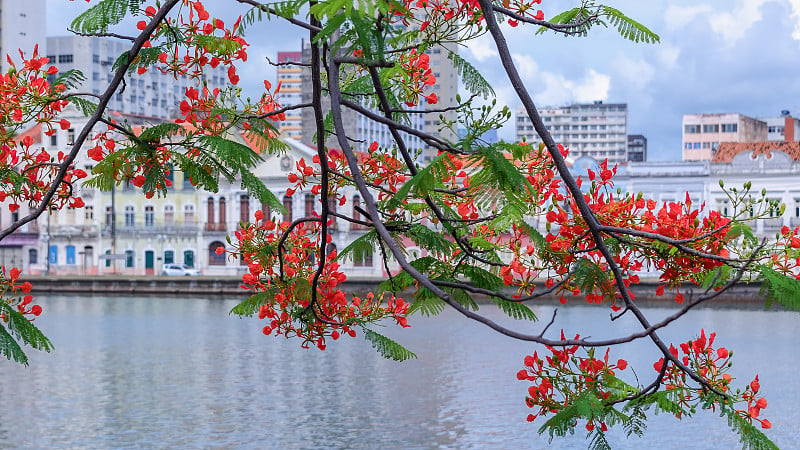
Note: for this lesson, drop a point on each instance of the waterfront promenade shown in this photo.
(227, 285)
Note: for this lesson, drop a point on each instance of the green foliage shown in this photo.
(584, 17)
(427, 303)
(515, 310)
(386, 347)
(71, 79)
(19, 328)
(472, 79)
(362, 246)
(751, 437)
(251, 305)
(779, 288)
(103, 14)
(86, 107)
(599, 441)
(429, 239)
(590, 277)
(629, 28)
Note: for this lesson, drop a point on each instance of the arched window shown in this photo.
(188, 215)
(287, 205)
(213, 258)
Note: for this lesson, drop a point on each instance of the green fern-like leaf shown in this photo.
(24, 330)
(471, 77)
(599, 441)
(629, 28)
(10, 348)
(86, 107)
(386, 347)
(780, 288)
(515, 310)
(751, 437)
(427, 303)
(250, 307)
(102, 15)
(70, 79)
(429, 239)
(361, 246)
(255, 186)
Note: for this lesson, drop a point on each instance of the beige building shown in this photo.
(291, 91)
(703, 133)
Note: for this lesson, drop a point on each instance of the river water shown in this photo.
(152, 372)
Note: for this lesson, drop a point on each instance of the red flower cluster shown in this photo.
(10, 291)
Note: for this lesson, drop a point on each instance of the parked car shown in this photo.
(179, 269)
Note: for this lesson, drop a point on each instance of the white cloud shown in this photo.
(482, 48)
(676, 17)
(733, 24)
(635, 74)
(527, 67)
(795, 4)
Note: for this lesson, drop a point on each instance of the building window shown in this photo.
(309, 209)
(109, 216)
(221, 214)
(687, 146)
(210, 216)
(52, 254)
(149, 216)
(70, 251)
(64, 59)
(130, 258)
(244, 208)
(287, 205)
(696, 145)
(71, 136)
(130, 216)
(188, 214)
(33, 256)
(169, 215)
(713, 128)
(96, 59)
(213, 258)
(362, 258)
(730, 127)
(54, 139)
(690, 129)
(169, 256)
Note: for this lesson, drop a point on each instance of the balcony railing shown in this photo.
(179, 229)
(216, 227)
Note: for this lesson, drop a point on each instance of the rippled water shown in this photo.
(181, 373)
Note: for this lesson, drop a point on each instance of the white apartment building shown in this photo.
(703, 133)
(783, 128)
(22, 27)
(598, 130)
(152, 94)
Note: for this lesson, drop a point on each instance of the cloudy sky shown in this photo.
(714, 56)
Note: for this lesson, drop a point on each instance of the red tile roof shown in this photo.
(727, 150)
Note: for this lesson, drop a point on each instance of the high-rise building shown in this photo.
(152, 94)
(365, 130)
(637, 148)
(783, 128)
(598, 129)
(22, 27)
(703, 133)
(291, 92)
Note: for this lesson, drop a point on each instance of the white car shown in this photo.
(179, 270)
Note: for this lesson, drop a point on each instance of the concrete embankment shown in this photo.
(210, 285)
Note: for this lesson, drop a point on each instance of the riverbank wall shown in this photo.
(231, 286)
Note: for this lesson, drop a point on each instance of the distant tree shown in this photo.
(469, 210)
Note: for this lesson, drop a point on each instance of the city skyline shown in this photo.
(711, 59)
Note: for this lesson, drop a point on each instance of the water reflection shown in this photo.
(155, 372)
